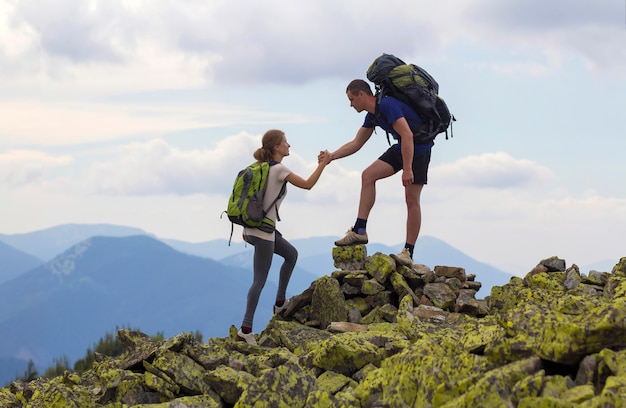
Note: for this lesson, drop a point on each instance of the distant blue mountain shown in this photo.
(315, 253)
(11, 368)
(215, 249)
(220, 249)
(48, 243)
(14, 262)
(301, 278)
(315, 259)
(68, 304)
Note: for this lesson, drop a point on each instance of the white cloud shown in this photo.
(492, 170)
(29, 122)
(156, 167)
(21, 167)
(17, 38)
(74, 123)
(562, 32)
(162, 44)
(149, 66)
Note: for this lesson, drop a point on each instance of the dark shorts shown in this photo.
(393, 157)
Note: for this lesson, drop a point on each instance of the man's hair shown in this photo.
(358, 85)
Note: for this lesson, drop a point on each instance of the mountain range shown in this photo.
(63, 288)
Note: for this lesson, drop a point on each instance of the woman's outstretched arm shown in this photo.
(308, 184)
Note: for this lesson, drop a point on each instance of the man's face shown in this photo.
(357, 101)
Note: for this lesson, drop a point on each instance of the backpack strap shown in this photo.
(452, 120)
(232, 227)
(377, 114)
(281, 193)
(424, 122)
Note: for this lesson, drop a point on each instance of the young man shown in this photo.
(400, 121)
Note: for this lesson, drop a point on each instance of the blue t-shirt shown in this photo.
(391, 109)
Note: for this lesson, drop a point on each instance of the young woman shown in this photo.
(274, 148)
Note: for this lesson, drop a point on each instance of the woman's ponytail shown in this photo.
(270, 140)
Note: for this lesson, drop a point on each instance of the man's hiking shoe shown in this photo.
(248, 338)
(403, 258)
(352, 238)
(280, 309)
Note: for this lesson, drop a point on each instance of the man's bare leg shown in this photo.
(412, 194)
(376, 171)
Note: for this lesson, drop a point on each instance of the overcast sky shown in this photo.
(140, 113)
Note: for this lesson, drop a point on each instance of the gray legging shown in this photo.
(263, 253)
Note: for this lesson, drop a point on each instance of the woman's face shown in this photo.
(283, 147)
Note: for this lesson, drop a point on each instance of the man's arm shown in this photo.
(407, 149)
(353, 146)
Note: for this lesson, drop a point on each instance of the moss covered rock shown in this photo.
(381, 335)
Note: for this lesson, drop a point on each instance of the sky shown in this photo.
(140, 113)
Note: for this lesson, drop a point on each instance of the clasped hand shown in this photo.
(324, 157)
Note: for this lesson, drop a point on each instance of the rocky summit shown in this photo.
(377, 334)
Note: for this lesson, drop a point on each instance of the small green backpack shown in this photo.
(245, 205)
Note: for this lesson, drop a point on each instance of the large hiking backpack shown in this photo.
(245, 205)
(415, 87)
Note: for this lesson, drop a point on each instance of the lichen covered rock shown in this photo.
(328, 302)
(383, 335)
(350, 257)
